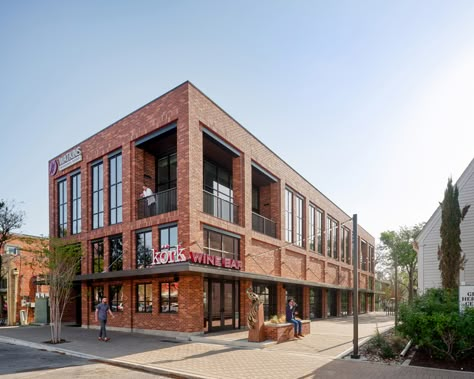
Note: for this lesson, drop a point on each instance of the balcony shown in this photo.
(158, 203)
(220, 208)
(263, 225)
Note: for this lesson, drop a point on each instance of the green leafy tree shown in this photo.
(450, 256)
(398, 246)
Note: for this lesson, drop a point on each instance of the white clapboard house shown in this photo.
(429, 275)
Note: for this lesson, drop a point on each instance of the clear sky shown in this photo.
(371, 101)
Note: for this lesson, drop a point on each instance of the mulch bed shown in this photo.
(423, 359)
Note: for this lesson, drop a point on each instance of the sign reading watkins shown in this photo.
(71, 157)
(466, 297)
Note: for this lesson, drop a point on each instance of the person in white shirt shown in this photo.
(148, 194)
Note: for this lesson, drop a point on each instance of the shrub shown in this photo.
(433, 322)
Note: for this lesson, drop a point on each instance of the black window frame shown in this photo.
(144, 257)
(211, 245)
(98, 256)
(116, 302)
(62, 207)
(76, 203)
(166, 299)
(115, 259)
(171, 174)
(147, 302)
(97, 294)
(115, 189)
(97, 202)
(267, 293)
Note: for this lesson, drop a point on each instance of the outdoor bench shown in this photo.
(285, 331)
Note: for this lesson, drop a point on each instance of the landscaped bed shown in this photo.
(385, 348)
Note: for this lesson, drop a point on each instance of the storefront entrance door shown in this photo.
(222, 305)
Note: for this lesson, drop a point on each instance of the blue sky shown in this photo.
(371, 101)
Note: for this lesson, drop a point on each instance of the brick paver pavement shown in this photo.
(314, 356)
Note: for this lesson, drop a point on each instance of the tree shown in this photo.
(61, 262)
(10, 220)
(451, 259)
(401, 253)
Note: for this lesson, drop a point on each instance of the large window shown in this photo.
(319, 230)
(331, 238)
(371, 259)
(300, 241)
(97, 295)
(218, 193)
(346, 243)
(267, 294)
(288, 215)
(115, 185)
(97, 256)
(97, 196)
(62, 208)
(331, 303)
(363, 255)
(116, 253)
(169, 297)
(296, 293)
(221, 245)
(169, 235)
(144, 298)
(76, 203)
(116, 298)
(167, 172)
(312, 228)
(144, 249)
(315, 303)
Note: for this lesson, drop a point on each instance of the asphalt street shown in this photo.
(24, 362)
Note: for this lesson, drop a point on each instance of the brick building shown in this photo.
(21, 282)
(225, 214)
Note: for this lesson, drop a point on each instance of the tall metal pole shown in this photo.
(396, 289)
(355, 293)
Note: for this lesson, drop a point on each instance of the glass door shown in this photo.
(222, 305)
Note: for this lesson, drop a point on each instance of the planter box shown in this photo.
(286, 331)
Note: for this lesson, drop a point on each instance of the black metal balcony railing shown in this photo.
(221, 208)
(158, 203)
(263, 225)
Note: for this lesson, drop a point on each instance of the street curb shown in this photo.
(95, 358)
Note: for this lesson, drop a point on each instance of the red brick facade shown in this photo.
(20, 264)
(187, 123)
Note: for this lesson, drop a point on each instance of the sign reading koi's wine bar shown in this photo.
(168, 254)
(215, 261)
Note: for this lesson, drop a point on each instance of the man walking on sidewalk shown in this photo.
(101, 313)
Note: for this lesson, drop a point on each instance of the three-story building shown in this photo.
(226, 214)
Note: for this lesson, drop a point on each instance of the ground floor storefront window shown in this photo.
(267, 294)
(315, 303)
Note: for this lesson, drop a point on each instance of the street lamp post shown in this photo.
(355, 293)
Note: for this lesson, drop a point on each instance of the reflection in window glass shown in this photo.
(144, 298)
(169, 297)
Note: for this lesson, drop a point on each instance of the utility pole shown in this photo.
(355, 293)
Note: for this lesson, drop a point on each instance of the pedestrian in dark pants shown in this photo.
(290, 317)
(101, 314)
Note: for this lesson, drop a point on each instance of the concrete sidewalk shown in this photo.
(228, 355)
